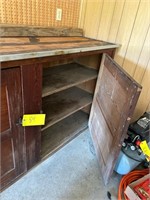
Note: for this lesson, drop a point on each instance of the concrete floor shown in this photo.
(70, 174)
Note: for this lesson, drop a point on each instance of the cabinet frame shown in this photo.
(31, 84)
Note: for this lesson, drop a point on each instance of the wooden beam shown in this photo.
(12, 30)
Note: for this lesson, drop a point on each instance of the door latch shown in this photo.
(19, 121)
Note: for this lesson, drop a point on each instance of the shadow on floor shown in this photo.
(70, 174)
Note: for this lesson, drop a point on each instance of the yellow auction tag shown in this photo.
(145, 148)
(33, 119)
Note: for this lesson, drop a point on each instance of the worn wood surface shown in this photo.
(12, 136)
(88, 86)
(12, 30)
(35, 44)
(32, 104)
(92, 61)
(62, 132)
(62, 77)
(13, 48)
(58, 62)
(113, 105)
(64, 103)
(61, 58)
(87, 109)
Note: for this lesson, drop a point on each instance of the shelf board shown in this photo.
(62, 132)
(65, 76)
(62, 104)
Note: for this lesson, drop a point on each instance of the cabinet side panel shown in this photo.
(32, 95)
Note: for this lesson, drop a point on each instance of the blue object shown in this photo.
(125, 164)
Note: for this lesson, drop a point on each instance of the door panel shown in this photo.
(12, 136)
(114, 101)
(5, 125)
(7, 159)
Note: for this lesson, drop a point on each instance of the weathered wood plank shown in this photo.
(62, 132)
(32, 104)
(39, 40)
(6, 30)
(35, 47)
(62, 104)
(53, 58)
(65, 76)
(49, 46)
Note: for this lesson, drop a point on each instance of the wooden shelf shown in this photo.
(62, 132)
(65, 76)
(62, 104)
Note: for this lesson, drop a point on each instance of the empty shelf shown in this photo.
(62, 132)
(62, 104)
(65, 76)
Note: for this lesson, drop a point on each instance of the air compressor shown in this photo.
(136, 147)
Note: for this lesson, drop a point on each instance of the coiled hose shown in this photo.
(129, 178)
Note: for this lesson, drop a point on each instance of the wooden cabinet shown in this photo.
(59, 80)
(12, 135)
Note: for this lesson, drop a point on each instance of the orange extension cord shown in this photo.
(129, 178)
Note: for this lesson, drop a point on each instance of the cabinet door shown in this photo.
(114, 101)
(12, 135)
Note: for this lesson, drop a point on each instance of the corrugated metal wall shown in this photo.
(39, 12)
(126, 22)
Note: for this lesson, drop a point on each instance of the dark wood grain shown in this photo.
(5, 123)
(62, 132)
(64, 103)
(32, 95)
(62, 77)
(114, 101)
(13, 157)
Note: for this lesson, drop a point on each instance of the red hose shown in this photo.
(129, 178)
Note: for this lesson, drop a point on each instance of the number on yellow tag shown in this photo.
(33, 119)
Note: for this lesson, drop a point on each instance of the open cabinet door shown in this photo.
(114, 101)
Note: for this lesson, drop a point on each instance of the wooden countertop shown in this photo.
(19, 48)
